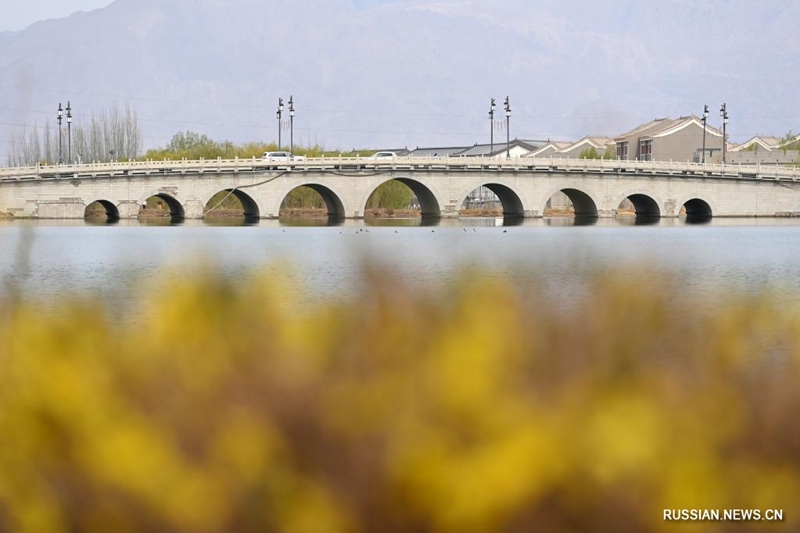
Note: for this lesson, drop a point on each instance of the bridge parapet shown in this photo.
(359, 164)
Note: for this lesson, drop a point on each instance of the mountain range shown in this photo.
(407, 72)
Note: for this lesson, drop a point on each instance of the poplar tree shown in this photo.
(109, 135)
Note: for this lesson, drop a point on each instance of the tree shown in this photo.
(752, 147)
(193, 145)
(589, 153)
(110, 135)
(303, 198)
(790, 141)
(390, 195)
(593, 153)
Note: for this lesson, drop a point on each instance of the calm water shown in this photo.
(49, 259)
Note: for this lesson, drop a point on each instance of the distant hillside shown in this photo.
(407, 72)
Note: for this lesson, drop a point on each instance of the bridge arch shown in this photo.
(585, 203)
(332, 198)
(249, 205)
(696, 205)
(111, 209)
(645, 204)
(510, 198)
(429, 201)
(176, 209)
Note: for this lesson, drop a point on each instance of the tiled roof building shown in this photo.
(666, 139)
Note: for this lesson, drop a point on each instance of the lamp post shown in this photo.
(723, 112)
(278, 115)
(492, 107)
(705, 119)
(60, 113)
(291, 124)
(508, 130)
(69, 132)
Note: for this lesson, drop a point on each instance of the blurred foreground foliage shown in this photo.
(476, 408)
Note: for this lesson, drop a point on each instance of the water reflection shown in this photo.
(639, 220)
(647, 220)
(570, 221)
(101, 221)
(431, 221)
(302, 222)
(322, 222)
(94, 257)
(231, 221)
(697, 219)
(513, 221)
(480, 221)
(397, 222)
(161, 221)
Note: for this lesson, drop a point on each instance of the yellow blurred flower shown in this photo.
(225, 406)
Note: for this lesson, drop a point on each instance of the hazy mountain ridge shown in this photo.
(406, 72)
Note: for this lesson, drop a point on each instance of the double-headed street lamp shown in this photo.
(705, 119)
(492, 107)
(60, 113)
(291, 124)
(278, 116)
(724, 114)
(69, 133)
(508, 130)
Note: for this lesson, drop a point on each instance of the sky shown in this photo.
(17, 15)
(585, 57)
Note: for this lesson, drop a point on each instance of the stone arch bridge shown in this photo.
(523, 186)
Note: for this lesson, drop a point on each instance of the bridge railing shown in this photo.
(438, 163)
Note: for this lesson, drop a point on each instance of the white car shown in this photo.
(277, 156)
(383, 155)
